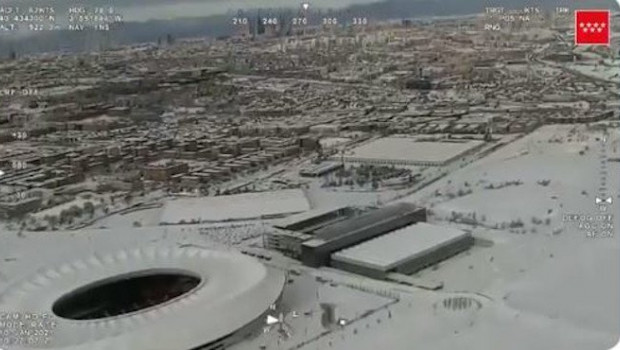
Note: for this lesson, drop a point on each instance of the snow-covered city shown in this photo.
(315, 179)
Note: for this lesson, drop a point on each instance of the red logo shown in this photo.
(592, 27)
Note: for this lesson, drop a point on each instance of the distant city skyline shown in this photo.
(141, 10)
(144, 10)
(149, 20)
(138, 13)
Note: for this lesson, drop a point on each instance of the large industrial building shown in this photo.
(407, 151)
(313, 235)
(343, 234)
(289, 233)
(405, 251)
(391, 239)
(315, 219)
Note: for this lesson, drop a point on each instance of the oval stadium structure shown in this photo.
(148, 299)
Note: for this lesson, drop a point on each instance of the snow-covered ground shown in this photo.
(536, 290)
(609, 72)
(548, 288)
(79, 202)
(566, 283)
(144, 217)
(235, 207)
(305, 319)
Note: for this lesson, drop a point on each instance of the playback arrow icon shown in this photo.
(272, 320)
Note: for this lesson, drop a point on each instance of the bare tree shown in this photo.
(89, 208)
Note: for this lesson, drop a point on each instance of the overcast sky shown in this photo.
(171, 9)
(143, 10)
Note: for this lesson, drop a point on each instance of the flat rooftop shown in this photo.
(407, 149)
(316, 168)
(390, 250)
(301, 218)
(371, 218)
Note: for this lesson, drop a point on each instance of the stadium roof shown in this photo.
(233, 289)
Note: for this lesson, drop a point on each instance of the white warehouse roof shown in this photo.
(406, 149)
(390, 250)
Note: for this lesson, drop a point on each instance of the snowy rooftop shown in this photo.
(308, 215)
(45, 266)
(235, 207)
(374, 218)
(388, 251)
(407, 149)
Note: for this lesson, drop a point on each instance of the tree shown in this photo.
(516, 223)
(75, 210)
(65, 216)
(89, 208)
(20, 233)
(52, 221)
(361, 181)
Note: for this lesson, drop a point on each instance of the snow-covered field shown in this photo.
(144, 217)
(565, 283)
(547, 288)
(609, 73)
(304, 317)
(79, 202)
(234, 207)
(536, 290)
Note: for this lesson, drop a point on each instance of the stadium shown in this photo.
(159, 297)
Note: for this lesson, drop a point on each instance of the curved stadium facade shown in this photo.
(148, 299)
